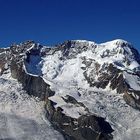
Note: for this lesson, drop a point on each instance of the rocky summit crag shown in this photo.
(90, 91)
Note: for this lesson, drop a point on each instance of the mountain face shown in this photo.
(89, 90)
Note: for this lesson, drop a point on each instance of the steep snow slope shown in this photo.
(90, 78)
(104, 102)
(21, 116)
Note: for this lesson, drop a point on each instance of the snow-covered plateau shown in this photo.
(85, 79)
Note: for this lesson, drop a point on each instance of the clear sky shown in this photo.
(53, 21)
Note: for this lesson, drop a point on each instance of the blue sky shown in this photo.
(53, 21)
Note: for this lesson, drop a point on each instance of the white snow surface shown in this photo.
(132, 80)
(22, 117)
(66, 78)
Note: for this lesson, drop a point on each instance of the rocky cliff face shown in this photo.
(81, 82)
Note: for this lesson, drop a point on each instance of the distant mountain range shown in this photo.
(81, 89)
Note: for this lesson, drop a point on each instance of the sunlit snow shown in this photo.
(65, 77)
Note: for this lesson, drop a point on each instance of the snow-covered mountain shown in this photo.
(89, 90)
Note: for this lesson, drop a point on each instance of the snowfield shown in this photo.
(106, 103)
(66, 78)
(22, 117)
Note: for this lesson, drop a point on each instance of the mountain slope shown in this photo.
(98, 77)
(21, 116)
(81, 82)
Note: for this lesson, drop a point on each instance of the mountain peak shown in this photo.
(84, 41)
(118, 43)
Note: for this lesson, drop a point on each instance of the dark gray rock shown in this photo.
(86, 127)
(34, 85)
(131, 100)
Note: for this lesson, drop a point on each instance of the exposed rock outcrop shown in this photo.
(88, 127)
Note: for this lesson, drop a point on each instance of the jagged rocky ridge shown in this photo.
(70, 75)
